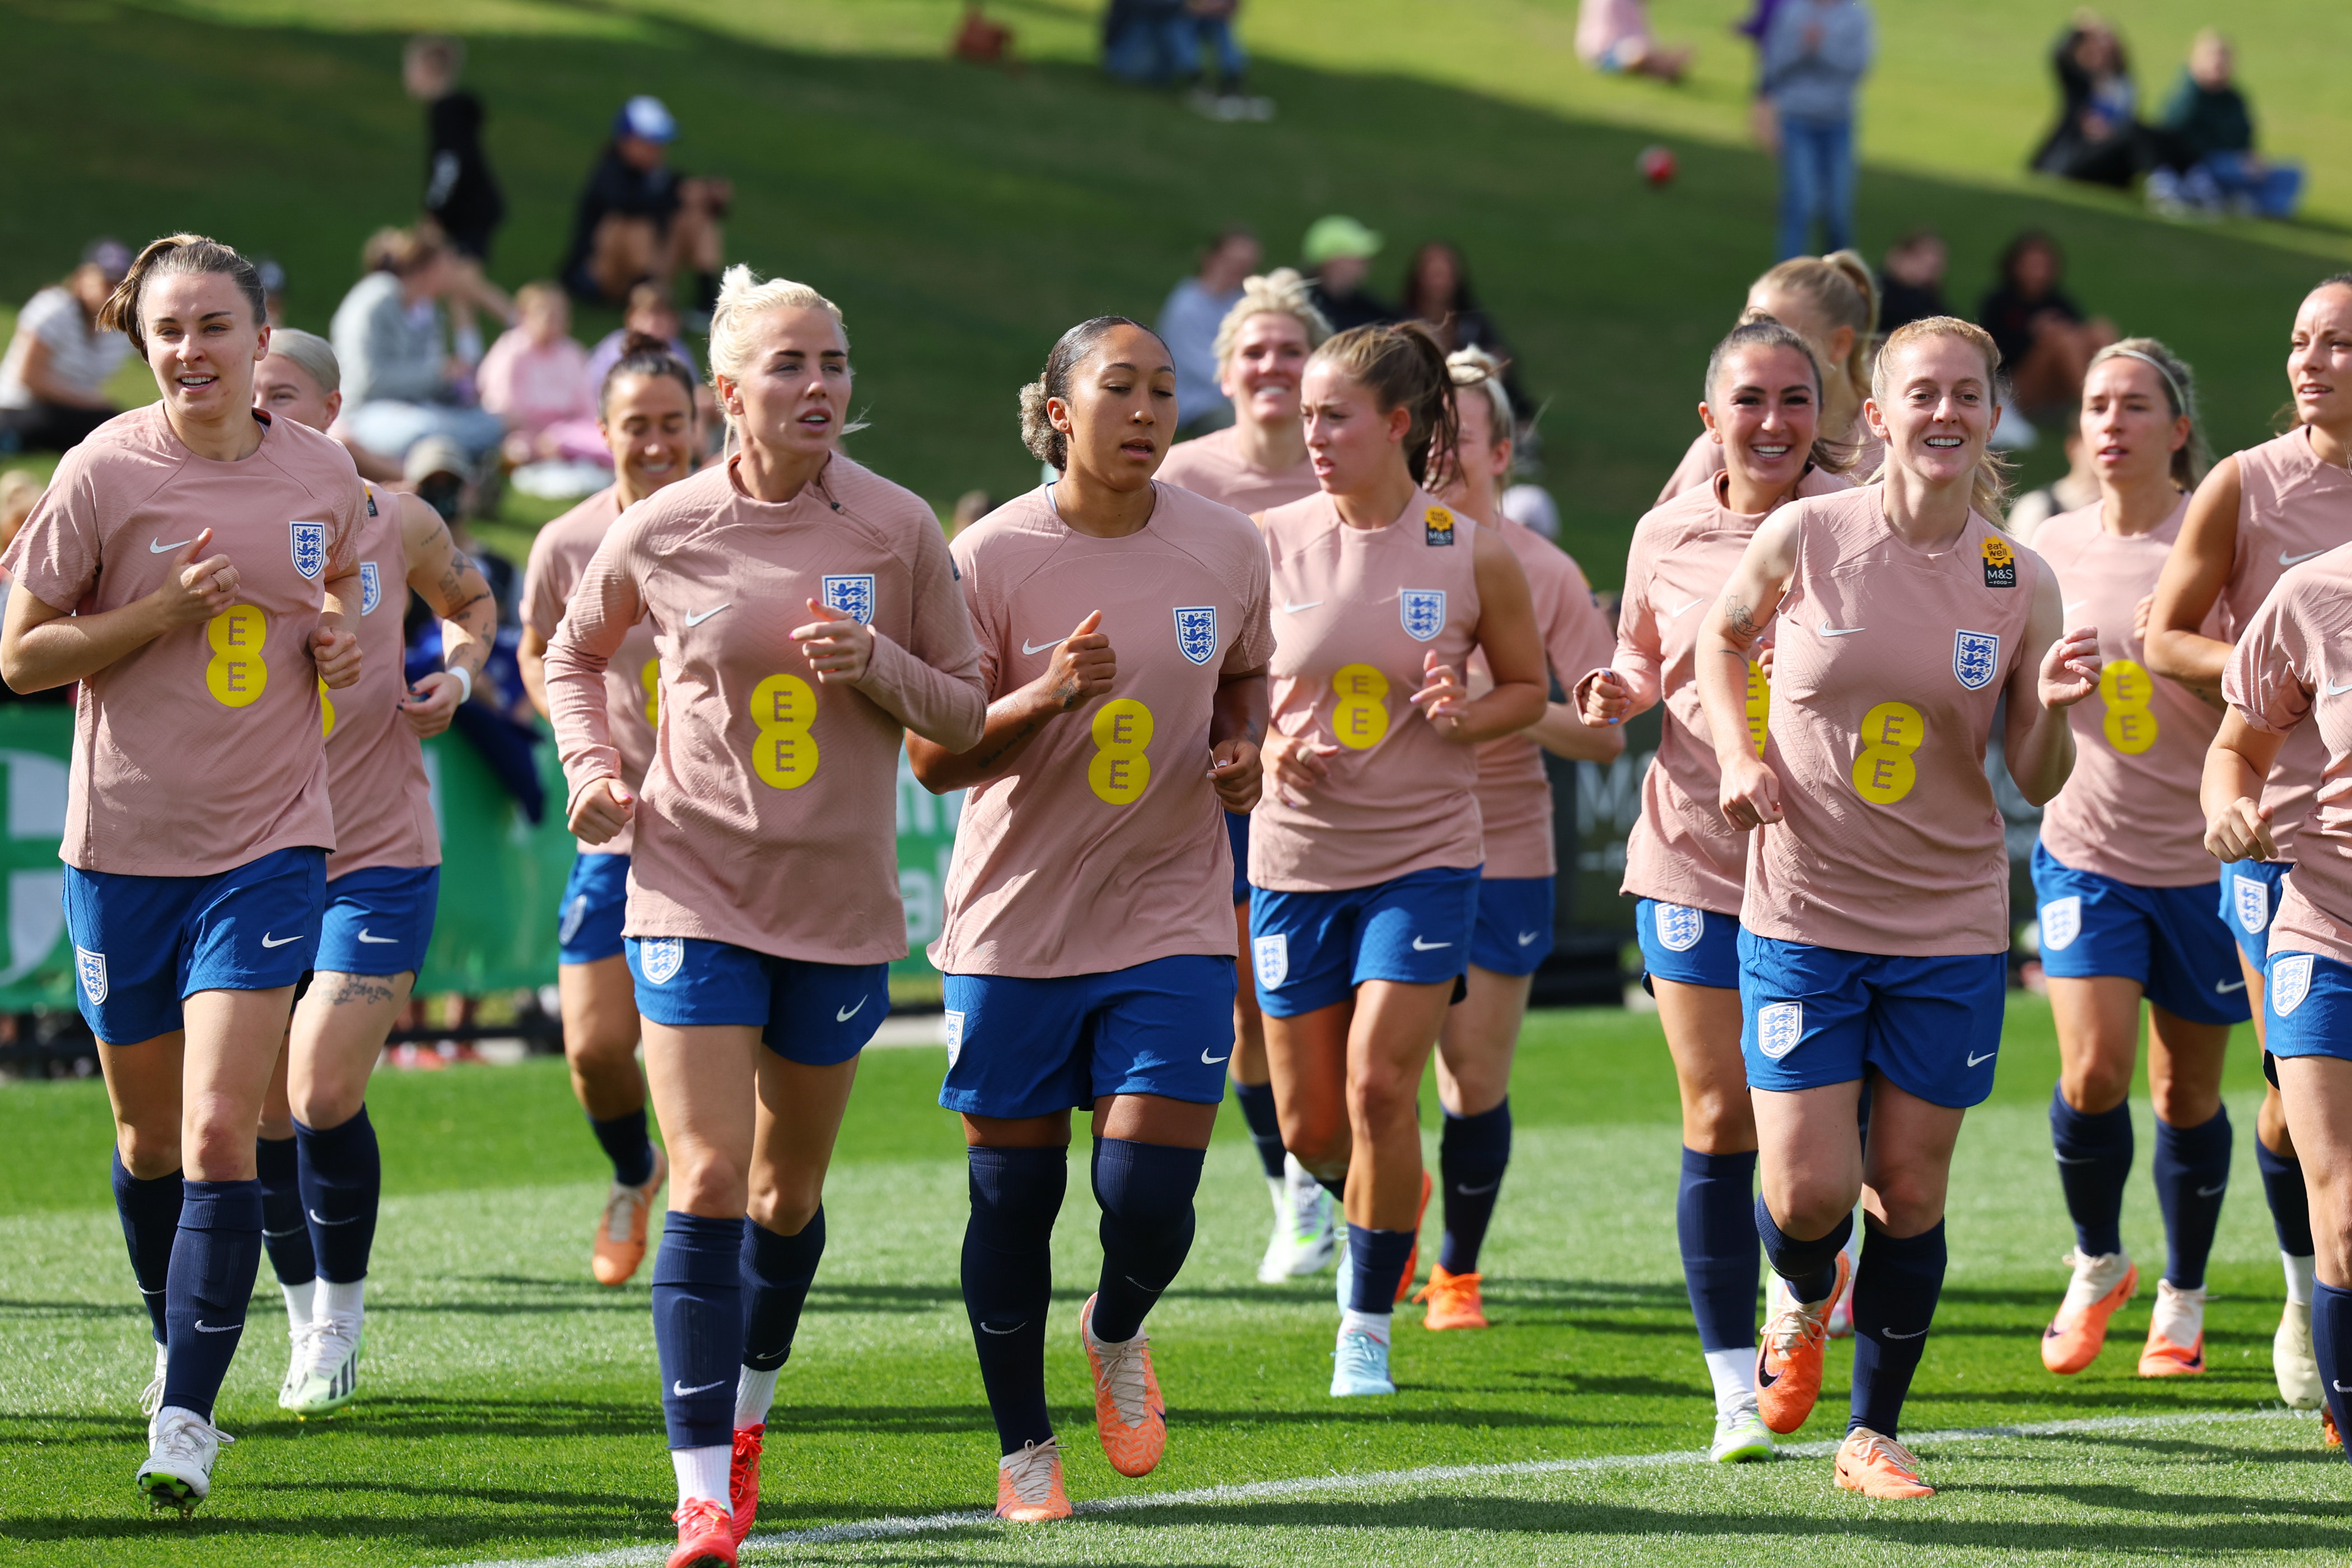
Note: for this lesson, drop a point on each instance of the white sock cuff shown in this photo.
(702, 1473)
(2300, 1274)
(301, 1301)
(339, 1300)
(1733, 1372)
(1373, 1323)
(754, 1392)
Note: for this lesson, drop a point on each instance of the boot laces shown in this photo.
(1876, 1445)
(1031, 1471)
(180, 1439)
(1122, 1376)
(325, 1344)
(1794, 1325)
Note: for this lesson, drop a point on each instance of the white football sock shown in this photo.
(1373, 1323)
(2179, 1315)
(1280, 1190)
(298, 1304)
(339, 1301)
(702, 1473)
(2298, 1278)
(1734, 1373)
(754, 1392)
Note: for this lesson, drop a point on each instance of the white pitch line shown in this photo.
(1299, 1486)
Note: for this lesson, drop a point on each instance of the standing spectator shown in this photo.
(1188, 325)
(2210, 133)
(461, 195)
(2046, 342)
(1339, 254)
(52, 378)
(400, 384)
(638, 218)
(2098, 138)
(535, 377)
(1911, 289)
(1614, 36)
(1208, 25)
(1143, 40)
(1815, 53)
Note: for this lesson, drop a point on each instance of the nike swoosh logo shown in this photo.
(1479, 1192)
(1209, 1061)
(157, 547)
(273, 1236)
(682, 1391)
(1825, 630)
(1421, 946)
(2335, 690)
(1891, 1334)
(1290, 609)
(377, 941)
(2226, 987)
(2213, 1192)
(318, 1218)
(2286, 559)
(1686, 609)
(1972, 1061)
(1041, 646)
(144, 1291)
(2077, 1159)
(693, 621)
(1527, 936)
(993, 1329)
(204, 1328)
(840, 1015)
(2340, 1387)
(268, 942)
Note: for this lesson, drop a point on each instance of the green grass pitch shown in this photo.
(508, 1407)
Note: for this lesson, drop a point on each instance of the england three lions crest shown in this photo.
(310, 544)
(2289, 982)
(1196, 632)
(2062, 923)
(371, 587)
(1423, 611)
(1679, 928)
(852, 595)
(660, 958)
(91, 967)
(1976, 658)
(2251, 896)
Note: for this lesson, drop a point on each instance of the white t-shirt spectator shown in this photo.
(80, 357)
(1188, 325)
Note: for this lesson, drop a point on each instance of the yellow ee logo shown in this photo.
(235, 675)
(2126, 690)
(1884, 773)
(784, 755)
(1759, 706)
(1120, 771)
(1360, 716)
(650, 678)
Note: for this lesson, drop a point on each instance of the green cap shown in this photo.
(1337, 236)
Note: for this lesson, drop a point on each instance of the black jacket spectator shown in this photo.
(2098, 138)
(1354, 309)
(461, 195)
(616, 187)
(2208, 119)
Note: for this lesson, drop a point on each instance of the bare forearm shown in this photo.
(2194, 661)
(532, 663)
(1014, 721)
(1563, 732)
(1722, 674)
(2041, 755)
(74, 647)
(2229, 778)
(1239, 710)
(1506, 711)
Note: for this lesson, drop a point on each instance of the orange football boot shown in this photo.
(1029, 1484)
(1878, 1467)
(621, 1231)
(706, 1536)
(1453, 1301)
(2176, 1311)
(1413, 1258)
(2101, 1285)
(1789, 1358)
(1131, 1417)
(743, 1477)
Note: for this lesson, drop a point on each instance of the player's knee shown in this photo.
(148, 1152)
(1910, 1202)
(2096, 1083)
(702, 1182)
(2184, 1105)
(322, 1106)
(1379, 1095)
(786, 1211)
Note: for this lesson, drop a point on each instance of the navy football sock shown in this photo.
(149, 1211)
(1256, 1101)
(1809, 1267)
(699, 1326)
(2331, 1345)
(627, 1146)
(1714, 1220)
(1376, 1260)
(2290, 1200)
(284, 1231)
(1146, 1192)
(1473, 1152)
(2095, 1161)
(216, 1257)
(342, 1182)
(1008, 1281)
(2192, 1172)
(777, 1272)
(1894, 1294)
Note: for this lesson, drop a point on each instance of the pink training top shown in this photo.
(1103, 846)
(1514, 792)
(633, 679)
(1359, 610)
(1888, 663)
(1681, 850)
(1212, 466)
(2294, 662)
(375, 764)
(1703, 459)
(533, 385)
(2129, 810)
(768, 818)
(201, 750)
(2291, 507)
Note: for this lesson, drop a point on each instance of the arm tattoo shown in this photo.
(1742, 619)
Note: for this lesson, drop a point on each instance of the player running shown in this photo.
(383, 880)
(1514, 932)
(1124, 635)
(2259, 512)
(645, 409)
(763, 905)
(2126, 885)
(1875, 925)
(1685, 865)
(1365, 848)
(1261, 461)
(197, 825)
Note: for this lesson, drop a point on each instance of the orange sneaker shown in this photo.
(743, 1479)
(2328, 1431)
(2102, 1284)
(621, 1231)
(1452, 1301)
(1131, 1417)
(2176, 1333)
(1878, 1467)
(1029, 1484)
(1789, 1358)
(706, 1536)
(1413, 1258)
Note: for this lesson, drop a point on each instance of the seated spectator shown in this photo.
(1911, 289)
(2098, 138)
(2045, 343)
(639, 219)
(52, 378)
(1337, 253)
(1188, 322)
(1614, 36)
(536, 378)
(400, 383)
(2215, 168)
(1437, 294)
(462, 200)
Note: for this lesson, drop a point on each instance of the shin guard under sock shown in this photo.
(216, 1257)
(1714, 1220)
(1809, 1267)
(2192, 1172)
(1894, 1294)
(1473, 1153)
(2290, 1201)
(1256, 1101)
(343, 1184)
(1376, 1260)
(1146, 1192)
(626, 1145)
(2095, 1161)
(285, 1233)
(699, 1326)
(777, 1273)
(149, 1211)
(2331, 1346)
(1008, 1281)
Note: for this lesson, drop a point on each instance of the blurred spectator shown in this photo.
(639, 219)
(535, 377)
(1531, 507)
(273, 288)
(2215, 168)
(1188, 325)
(969, 508)
(18, 491)
(1815, 55)
(1338, 252)
(1614, 36)
(2098, 138)
(1209, 26)
(2046, 342)
(979, 40)
(650, 313)
(400, 385)
(1437, 293)
(461, 195)
(52, 378)
(2077, 487)
(1911, 289)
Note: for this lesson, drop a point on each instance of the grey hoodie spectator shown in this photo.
(397, 386)
(1814, 54)
(1196, 307)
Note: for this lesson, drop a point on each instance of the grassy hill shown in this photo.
(962, 217)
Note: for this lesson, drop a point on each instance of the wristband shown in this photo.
(466, 678)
